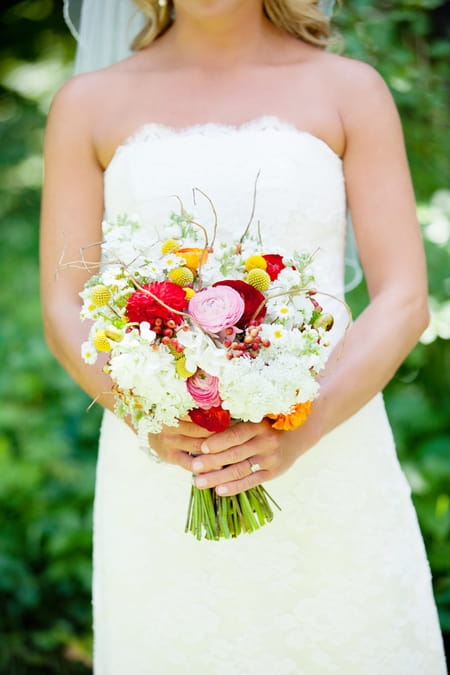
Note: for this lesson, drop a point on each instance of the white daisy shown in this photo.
(88, 352)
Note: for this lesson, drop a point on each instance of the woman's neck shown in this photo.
(218, 37)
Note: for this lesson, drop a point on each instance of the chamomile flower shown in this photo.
(274, 333)
(88, 352)
(284, 312)
(171, 261)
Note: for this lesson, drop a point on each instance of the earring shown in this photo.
(162, 3)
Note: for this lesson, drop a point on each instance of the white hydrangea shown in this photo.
(150, 374)
(127, 242)
(287, 280)
(251, 388)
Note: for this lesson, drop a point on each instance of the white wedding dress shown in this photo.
(338, 583)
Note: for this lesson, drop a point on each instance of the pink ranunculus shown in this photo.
(204, 389)
(216, 308)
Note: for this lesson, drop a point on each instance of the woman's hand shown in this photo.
(247, 454)
(177, 445)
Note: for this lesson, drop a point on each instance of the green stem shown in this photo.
(212, 517)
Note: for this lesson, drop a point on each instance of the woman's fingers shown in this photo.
(226, 462)
(176, 448)
(229, 488)
(263, 442)
(188, 428)
(183, 459)
(235, 475)
(232, 436)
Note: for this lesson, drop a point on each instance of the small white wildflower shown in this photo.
(275, 332)
(171, 261)
(88, 352)
(284, 311)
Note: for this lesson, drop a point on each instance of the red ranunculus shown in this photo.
(252, 299)
(142, 307)
(213, 419)
(274, 265)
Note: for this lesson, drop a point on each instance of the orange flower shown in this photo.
(194, 257)
(294, 419)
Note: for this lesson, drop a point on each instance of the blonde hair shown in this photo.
(301, 18)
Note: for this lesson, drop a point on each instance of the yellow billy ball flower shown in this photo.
(169, 245)
(258, 279)
(182, 276)
(189, 293)
(101, 342)
(255, 262)
(100, 295)
(180, 367)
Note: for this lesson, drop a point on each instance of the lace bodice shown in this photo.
(300, 200)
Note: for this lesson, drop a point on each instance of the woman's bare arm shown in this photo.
(381, 200)
(72, 211)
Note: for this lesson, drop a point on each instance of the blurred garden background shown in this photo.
(47, 437)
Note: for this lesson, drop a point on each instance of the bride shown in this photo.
(338, 582)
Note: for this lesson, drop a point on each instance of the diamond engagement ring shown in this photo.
(254, 467)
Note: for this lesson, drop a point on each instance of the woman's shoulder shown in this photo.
(85, 90)
(82, 89)
(347, 73)
(356, 86)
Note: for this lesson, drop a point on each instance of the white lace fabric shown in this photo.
(338, 583)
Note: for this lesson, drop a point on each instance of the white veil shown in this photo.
(104, 30)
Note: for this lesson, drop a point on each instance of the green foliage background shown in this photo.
(48, 440)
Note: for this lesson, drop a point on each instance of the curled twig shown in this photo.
(189, 218)
(252, 214)
(213, 208)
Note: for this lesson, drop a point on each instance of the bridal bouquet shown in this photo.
(218, 331)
